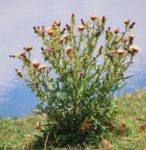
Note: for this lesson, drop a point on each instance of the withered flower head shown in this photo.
(69, 50)
(38, 125)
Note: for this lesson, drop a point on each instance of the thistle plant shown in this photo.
(84, 66)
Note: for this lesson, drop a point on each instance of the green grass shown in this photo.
(17, 133)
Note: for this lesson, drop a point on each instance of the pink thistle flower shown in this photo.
(50, 50)
(82, 73)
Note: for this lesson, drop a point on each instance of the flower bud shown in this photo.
(131, 25)
(68, 27)
(38, 30)
(73, 19)
(81, 27)
(35, 30)
(100, 50)
(63, 30)
(35, 63)
(82, 21)
(13, 56)
(18, 72)
(109, 28)
(103, 19)
(28, 48)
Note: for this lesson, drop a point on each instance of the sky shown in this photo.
(17, 19)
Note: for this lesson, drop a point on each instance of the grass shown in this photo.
(17, 133)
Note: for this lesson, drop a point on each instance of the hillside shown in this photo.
(129, 133)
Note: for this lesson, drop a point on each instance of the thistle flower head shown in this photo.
(81, 27)
(134, 49)
(50, 50)
(126, 22)
(116, 30)
(131, 37)
(82, 73)
(121, 51)
(69, 50)
(66, 37)
(50, 31)
(93, 17)
(35, 63)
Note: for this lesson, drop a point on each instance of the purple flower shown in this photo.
(81, 73)
(111, 57)
(48, 71)
(109, 28)
(50, 50)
